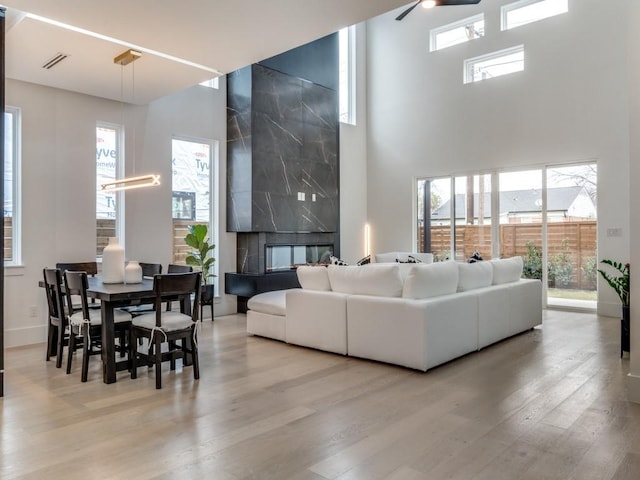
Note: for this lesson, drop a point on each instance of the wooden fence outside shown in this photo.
(577, 240)
(107, 228)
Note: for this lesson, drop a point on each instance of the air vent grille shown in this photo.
(55, 60)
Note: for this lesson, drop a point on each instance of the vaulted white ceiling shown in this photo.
(217, 35)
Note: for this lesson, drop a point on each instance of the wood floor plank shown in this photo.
(550, 403)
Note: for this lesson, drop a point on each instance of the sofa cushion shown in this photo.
(431, 280)
(273, 303)
(380, 281)
(313, 278)
(387, 257)
(506, 270)
(474, 275)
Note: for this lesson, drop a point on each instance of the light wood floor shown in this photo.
(548, 404)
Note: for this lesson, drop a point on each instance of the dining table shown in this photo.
(111, 296)
(117, 295)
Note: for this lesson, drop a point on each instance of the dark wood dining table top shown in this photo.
(116, 292)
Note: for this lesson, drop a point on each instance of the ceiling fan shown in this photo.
(435, 3)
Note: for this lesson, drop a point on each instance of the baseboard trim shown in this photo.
(633, 388)
(17, 337)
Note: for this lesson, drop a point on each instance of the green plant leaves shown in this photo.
(619, 284)
(200, 258)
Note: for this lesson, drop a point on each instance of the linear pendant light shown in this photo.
(151, 180)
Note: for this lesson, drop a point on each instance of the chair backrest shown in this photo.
(55, 298)
(180, 287)
(91, 268)
(150, 269)
(174, 268)
(76, 283)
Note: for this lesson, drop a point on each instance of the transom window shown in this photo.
(458, 32)
(494, 64)
(528, 11)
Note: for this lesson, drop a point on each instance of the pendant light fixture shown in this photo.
(151, 180)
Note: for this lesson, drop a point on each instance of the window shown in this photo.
(211, 83)
(494, 64)
(458, 32)
(347, 87)
(12, 184)
(528, 11)
(546, 215)
(109, 167)
(194, 197)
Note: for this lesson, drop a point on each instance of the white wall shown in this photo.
(634, 124)
(58, 165)
(353, 164)
(570, 104)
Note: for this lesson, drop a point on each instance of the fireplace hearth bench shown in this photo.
(414, 315)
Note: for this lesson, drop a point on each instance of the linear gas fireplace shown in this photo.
(267, 261)
(281, 258)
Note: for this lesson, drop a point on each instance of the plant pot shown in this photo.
(207, 295)
(625, 327)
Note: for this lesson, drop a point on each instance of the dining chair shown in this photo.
(150, 269)
(91, 268)
(175, 268)
(86, 324)
(168, 327)
(58, 323)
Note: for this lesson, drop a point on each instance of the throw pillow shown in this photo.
(336, 261)
(364, 261)
(475, 257)
(410, 259)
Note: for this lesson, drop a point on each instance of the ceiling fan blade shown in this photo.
(441, 3)
(406, 12)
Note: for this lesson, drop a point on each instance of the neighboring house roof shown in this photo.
(559, 199)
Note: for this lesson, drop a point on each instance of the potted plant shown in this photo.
(201, 259)
(621, 286)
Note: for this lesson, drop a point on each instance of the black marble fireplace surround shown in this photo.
(282, 153)
(282, 160)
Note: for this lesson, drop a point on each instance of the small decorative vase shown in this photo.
(113, 262)
(133, 272)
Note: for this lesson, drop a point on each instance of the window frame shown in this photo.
(506, 9)
(470, 63)
(16, 184)
(434, 32)
(349, 116)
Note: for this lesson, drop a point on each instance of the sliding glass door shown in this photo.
(547, 215)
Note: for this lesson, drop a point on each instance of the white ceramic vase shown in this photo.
(113, 262)
(133, 272)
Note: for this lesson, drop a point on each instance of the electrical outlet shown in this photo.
(33, 311)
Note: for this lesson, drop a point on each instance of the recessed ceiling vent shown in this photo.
(55, 60)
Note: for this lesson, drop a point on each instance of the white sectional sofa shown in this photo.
(414, 315)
